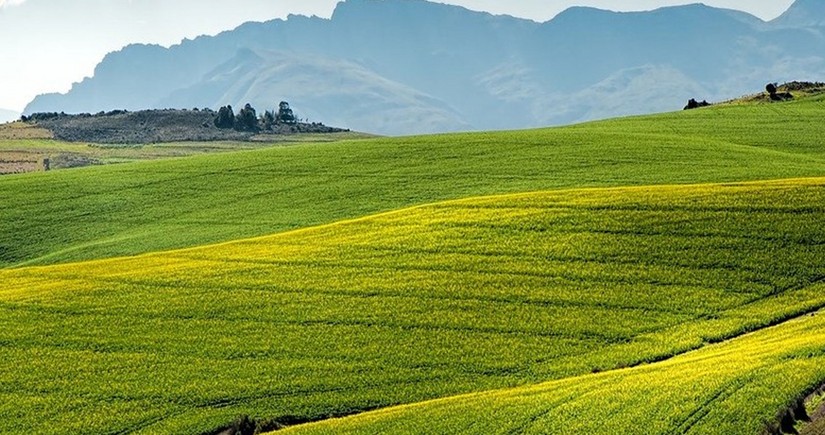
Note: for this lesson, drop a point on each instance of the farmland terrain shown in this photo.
(157, 205)
(726, 388)
(24, 147)
(427, 302)
(654, 274)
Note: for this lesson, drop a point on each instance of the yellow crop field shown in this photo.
(731, 387)
(440, 300)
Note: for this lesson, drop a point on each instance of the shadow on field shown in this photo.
(796, 420)
(245, 425)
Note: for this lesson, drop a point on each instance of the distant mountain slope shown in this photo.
(803, 13)
(357, 97)
(410, 66)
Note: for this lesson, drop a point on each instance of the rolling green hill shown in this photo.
(738, 386)
(434, 301)
(143, 207)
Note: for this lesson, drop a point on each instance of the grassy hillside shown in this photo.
(23, 147)
(784, 127)
(740, 386)
(142, 207)
(428, 302)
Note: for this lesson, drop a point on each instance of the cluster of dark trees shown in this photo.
(247, 118)
(775, 95)
(693, 104)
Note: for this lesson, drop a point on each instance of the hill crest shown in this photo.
(158, 126)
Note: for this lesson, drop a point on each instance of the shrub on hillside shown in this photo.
(268, 120)
(225, 118)
(773, 92)
(285, 114)
(693, 104)
(247, 119)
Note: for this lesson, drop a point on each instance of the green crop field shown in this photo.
(729, 388)
(654, 274)
(148, 206)
(418, 304)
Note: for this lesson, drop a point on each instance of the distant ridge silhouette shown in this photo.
(410, 66)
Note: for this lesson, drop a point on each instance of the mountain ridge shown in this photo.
(446, 68)
(803, 13)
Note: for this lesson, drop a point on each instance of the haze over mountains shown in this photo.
(8, 115)
(409, 66)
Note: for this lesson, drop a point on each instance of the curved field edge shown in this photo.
(134, 208)
(741, 386)
(429, 302)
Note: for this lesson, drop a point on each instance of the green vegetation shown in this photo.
(791, 127)
(248, 120)
(784, 92)
(430, 302)
(167, 125)
(615, 303)
(130, 209)
(730, 388)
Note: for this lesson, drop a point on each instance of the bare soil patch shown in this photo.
(19, 162)
(817, 423)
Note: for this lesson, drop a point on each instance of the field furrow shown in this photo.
(116, 210)
(739, 386)
(436, 301)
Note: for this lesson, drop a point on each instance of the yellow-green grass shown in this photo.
(428, 302)
(741, 386)
(149, 206)
(784, 127)
(796, 89)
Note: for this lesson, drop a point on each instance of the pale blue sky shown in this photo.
(46, 45)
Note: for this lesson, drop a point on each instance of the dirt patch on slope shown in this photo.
(817, 424)
(21, 131)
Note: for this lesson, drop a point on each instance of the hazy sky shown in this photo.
(46, 45)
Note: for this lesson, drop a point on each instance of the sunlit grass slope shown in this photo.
(141, 207)
(737, 387)
(782, 127)
(412, 305)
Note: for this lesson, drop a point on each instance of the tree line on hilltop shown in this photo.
(174, 125)
(248, 120)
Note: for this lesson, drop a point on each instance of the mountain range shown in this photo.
(410, 66)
